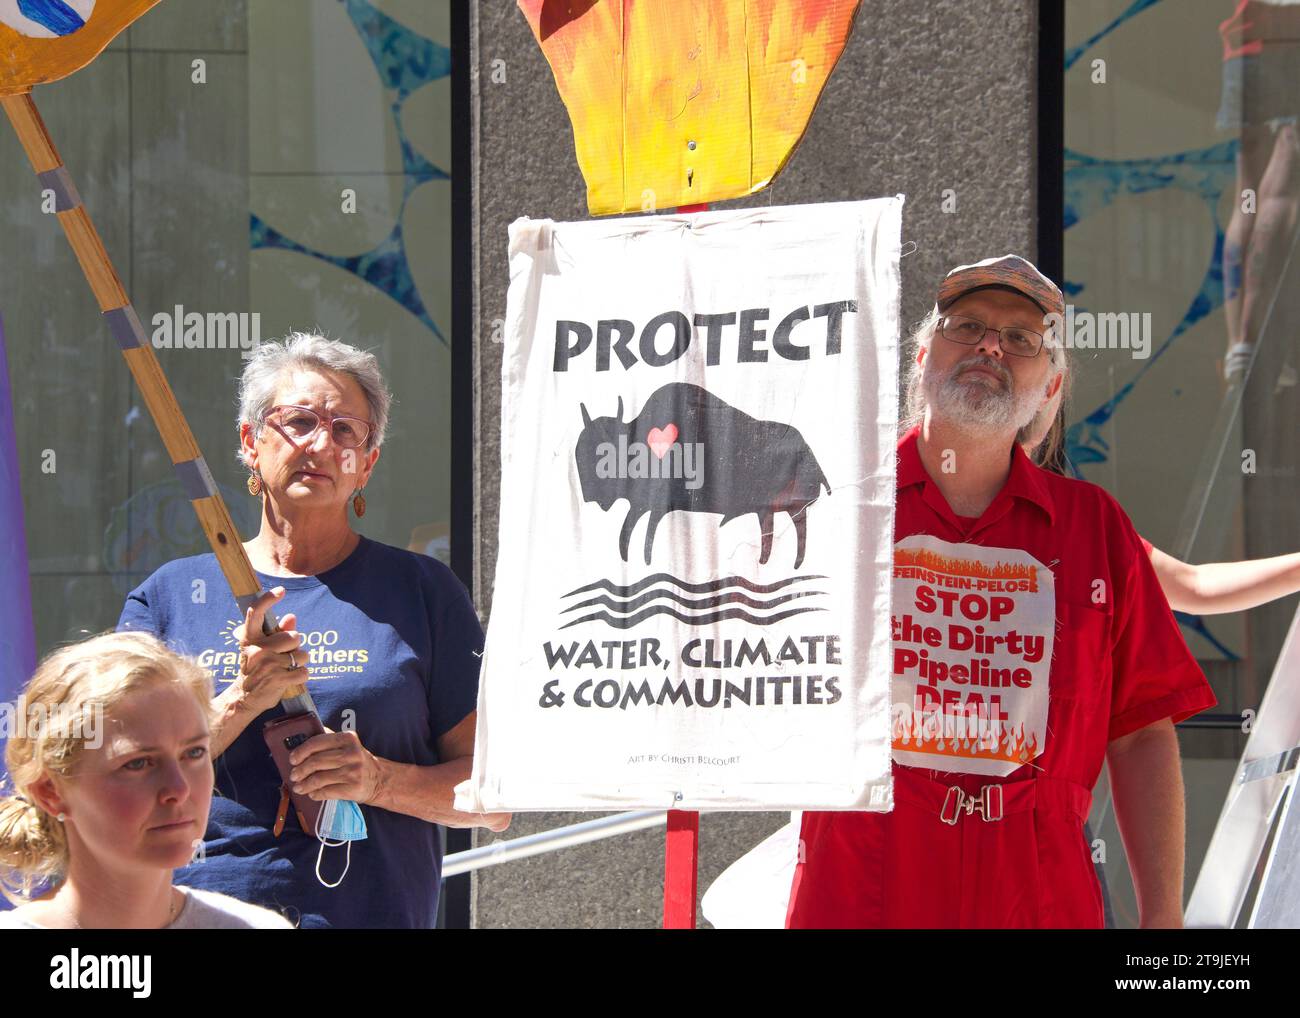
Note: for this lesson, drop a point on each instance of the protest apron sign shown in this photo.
(973, 633)
(691, 605)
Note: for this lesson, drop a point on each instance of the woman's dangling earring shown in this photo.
(254, 484)
(359, 504)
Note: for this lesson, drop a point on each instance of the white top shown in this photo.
(203, 910)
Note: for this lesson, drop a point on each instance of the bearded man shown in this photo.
(1032, 642)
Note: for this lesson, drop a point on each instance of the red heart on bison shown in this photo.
(660, 440)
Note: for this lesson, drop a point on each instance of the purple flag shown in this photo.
(17, 639)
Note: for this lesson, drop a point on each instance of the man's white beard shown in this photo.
(979, 405)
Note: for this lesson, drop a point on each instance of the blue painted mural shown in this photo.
(405, 62)
(1091, 185)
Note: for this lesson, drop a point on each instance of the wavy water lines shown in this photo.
(692, 588)
(695, 604)
(730, 598)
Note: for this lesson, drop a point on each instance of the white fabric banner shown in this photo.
(692, 599)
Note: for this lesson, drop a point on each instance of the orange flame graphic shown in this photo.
(965, 737)
(923, 558)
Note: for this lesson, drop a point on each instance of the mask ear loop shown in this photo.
(320, 853)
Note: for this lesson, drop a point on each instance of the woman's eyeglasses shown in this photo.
(301, 422)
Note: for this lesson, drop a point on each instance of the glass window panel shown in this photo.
(1182, 183)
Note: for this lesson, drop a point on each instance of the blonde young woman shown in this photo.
(111, 779)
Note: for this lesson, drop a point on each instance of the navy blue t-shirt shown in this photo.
(394, 648)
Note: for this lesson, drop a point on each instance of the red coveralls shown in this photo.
(1116, 667)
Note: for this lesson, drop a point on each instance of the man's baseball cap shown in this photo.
(1010, 272)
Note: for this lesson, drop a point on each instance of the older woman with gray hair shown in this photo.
(386, 640)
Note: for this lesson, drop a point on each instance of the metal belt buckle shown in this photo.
(953, 805)
(988, 804)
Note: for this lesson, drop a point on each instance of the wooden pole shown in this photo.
(191, 469)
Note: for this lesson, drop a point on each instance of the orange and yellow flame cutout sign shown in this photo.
(682, 103)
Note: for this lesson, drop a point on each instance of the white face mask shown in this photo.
(340, 823)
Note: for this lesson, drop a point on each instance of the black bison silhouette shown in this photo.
(740, 465)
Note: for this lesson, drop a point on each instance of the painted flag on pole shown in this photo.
(46, 19)
(45, 40)
(17, 639)
(691, 608)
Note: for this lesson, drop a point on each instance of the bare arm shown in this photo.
(1147, 785)
(234, 712)
(428, 792)
(1218, 587)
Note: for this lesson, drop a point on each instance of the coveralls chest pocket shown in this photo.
(1080, 653)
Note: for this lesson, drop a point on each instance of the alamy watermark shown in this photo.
(964, 724)
(77, 971)
(179, 329)
(1102, 330)
(658, 457)
(21, 720)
